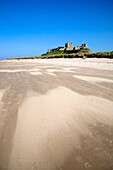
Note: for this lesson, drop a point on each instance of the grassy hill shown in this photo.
(62, 54)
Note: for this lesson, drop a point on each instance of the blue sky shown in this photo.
(30, 27)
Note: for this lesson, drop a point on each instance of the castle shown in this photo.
(69, 47)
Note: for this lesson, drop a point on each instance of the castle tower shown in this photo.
(84, 45)
(69, 46)
(49, 50)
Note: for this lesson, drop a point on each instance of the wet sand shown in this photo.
(56, 115)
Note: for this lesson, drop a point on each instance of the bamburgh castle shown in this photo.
(69, 47)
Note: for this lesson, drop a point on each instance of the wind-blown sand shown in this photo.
(56, 116)
(1, 94)
(93, 79)
(104, 64)
(48, 127)
(36, 73)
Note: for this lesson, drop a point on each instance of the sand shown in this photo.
(36, 73)
(56, 114)
(93, 79)
(1, 94)
(49, 126)
(102, 64)
(18, 70)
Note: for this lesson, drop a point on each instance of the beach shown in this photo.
(56, 114)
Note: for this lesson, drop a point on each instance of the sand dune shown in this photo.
(49, 126)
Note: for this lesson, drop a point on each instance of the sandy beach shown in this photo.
(56, 114)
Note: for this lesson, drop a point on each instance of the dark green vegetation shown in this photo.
(80, 55)
(62, 54)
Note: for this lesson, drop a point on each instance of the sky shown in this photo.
(31, 27)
